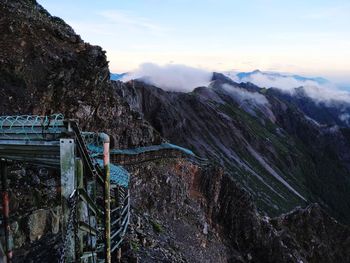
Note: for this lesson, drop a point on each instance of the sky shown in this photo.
(305, 37)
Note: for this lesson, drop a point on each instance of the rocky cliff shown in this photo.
(46, 68)
(189, 213)
(277, 153)
(182, 211)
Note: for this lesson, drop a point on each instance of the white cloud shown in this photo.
(345, 117)
(327, 92)
(281, 82)
(242, 95)
(171, 77)
(178, 77)
(250, 101)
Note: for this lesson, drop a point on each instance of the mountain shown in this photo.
(330, 112)
(46, 68)
(189, 213)
(261, 151)
(246, 76)
(279, 155)
(315, 97)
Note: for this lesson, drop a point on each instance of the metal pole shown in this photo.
(68, 185)
(107, 197)
(119, 203)
(80, 208)
(6, 210)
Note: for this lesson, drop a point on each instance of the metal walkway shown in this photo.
(147, 153)
(88, 180)
(86, 183)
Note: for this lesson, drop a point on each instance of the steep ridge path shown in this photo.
(94, 192)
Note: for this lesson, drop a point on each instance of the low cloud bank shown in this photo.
(327, 94)
(318, 91)
(176, 77)
(250, 101)
(345, 117)
(282, 82)
(171, 77)
(242, 95)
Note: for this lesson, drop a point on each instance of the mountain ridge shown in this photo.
(272, 141)
(181, 211)
(271, 74)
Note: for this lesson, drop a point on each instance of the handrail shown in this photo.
(87, 228)
(86, 198)
(42, 133)
(83, 149)
(98, 174)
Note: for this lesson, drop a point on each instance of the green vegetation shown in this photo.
(279, 150)
(157, 227)
(135, 246)
(309, 172)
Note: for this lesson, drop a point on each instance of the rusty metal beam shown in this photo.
(6, 210)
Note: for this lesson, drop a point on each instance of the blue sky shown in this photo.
(306, 37)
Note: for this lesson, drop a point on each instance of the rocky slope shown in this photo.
(278, 154)
(326, 113)
(189, 213)
(46, 68)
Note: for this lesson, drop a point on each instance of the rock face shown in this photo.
(330, 112)
(37, 224)
(278, 154)
(294, 237)
(46, 68)
(35, 211)
(168, 224)
(189, 213)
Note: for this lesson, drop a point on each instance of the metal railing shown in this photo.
(38, 140)
(120, 218)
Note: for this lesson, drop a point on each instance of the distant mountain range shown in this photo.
(242, 76)
(246, 76)
(315, 96)
(283, 149)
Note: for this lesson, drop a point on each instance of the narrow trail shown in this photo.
(92, 180)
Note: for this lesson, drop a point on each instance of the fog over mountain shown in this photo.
(176, 77)
(319, 99)
(317, 88)
(282, 153)
(171, 77)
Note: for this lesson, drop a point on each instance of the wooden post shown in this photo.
(91, 191)
(119, 255)
(68, 185)
(6, 211)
